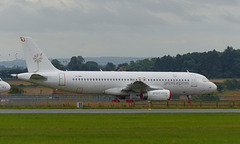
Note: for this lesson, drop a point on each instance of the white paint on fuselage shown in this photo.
(93, 82)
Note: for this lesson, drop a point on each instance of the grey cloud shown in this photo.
(112, 27)
(46, 19)
(218, 2)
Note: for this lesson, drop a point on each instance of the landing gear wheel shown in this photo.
(116, 99)
(129, 101)
(189, 99)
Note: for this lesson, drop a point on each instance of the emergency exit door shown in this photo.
(62, 79)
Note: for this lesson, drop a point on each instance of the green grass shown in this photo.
(120, 128)
(170, 107)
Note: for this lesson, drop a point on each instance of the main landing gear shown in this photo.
(133, 95)
(129, 101)
(189, 99)
(131, 98)
(116, 99)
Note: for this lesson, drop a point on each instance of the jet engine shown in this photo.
(159, 95)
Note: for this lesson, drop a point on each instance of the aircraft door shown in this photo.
(62, 79)
(193, 80)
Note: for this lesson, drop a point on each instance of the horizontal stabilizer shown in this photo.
(37, 77)
(14, 75)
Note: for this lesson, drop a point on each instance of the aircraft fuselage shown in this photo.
(97, 82)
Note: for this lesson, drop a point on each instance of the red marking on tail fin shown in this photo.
(22, 39)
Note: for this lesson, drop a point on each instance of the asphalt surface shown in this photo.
(119, 111)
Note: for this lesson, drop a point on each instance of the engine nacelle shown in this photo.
(116, 92)
(159, 95)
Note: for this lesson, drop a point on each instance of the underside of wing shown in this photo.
(140, 87)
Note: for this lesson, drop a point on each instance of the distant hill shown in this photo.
(65, 61)
(114, 60)
(14, 63)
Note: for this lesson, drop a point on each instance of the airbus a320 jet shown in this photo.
(141, 85)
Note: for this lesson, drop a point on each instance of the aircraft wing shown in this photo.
(139, 86)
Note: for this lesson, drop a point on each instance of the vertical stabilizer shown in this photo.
(35, 58)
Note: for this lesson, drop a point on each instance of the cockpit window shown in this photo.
(205, 80)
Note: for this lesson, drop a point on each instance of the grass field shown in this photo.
(120, 128)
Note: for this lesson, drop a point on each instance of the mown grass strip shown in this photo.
(120, 128)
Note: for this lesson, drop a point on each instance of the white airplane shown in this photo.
(141, 85)
(4, 86)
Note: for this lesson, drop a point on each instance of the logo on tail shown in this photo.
(37, 59)
(22, 39)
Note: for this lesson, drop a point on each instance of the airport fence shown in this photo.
(105, 101)
(50, 100)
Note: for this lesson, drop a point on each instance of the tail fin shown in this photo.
(35, 58)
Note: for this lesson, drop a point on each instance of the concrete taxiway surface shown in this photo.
(119, 111)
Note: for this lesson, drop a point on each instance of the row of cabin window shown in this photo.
(95, 79)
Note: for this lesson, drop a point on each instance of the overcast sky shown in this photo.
(136, 28)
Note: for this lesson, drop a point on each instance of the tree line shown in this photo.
(212, 64)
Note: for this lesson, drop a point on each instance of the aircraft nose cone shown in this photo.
(5, 87)
(8, 87)
(213, 87)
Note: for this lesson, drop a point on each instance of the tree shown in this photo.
(220, 87)
(167, 63)
(121, 67)
(58, 65)
(91, 66)
(7, 72)
(230, 58)
(232, 84)
(75, 63)
(15, 90)
(140, 65)
(109, 67)
(210, 64)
